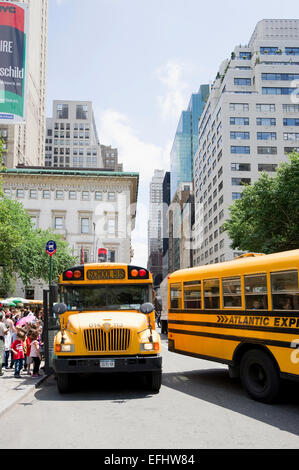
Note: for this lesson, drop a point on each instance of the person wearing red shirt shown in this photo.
(28, 358)
(17, 348)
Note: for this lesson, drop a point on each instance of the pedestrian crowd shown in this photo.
(21, 346)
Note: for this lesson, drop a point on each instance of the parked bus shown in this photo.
(107, 324)
(243, 313)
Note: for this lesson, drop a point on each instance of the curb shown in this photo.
(23, 395)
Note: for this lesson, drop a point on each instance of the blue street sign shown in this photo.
(51, 247)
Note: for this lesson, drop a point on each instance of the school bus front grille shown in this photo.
(99, 340)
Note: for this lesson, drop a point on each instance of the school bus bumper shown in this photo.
(111, 364)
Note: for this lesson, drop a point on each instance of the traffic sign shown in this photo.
(51, 247)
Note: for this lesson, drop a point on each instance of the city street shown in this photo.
(198, 407)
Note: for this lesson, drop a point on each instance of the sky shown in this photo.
(139, 61)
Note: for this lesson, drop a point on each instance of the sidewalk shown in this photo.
(12, 390)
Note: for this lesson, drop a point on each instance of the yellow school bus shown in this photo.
(107, 324)
(243, 313)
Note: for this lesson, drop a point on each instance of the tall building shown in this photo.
(155, 227)
(186, 140)
(180, 221)
(90, 209)
(25, 142)
(165, 234)
(72, 139)
(249, 125)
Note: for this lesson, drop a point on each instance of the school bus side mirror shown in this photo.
(59, 308)
(147, 308)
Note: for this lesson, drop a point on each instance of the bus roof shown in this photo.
(241, 265)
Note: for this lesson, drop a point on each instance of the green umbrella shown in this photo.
(17, 300)
(8, 303)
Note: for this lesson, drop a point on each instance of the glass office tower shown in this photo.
(186, 140)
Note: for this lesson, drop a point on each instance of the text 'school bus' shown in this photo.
(107, 324)
(244, 313)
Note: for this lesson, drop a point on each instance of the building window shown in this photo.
(242, 81)
(111, 256)
(46, 194)
(59, 194)
(280, 76)
(33, 194)
(236, 196)
(240, 149)
(98, 196)
(290, 136)
(269, 50)
(292, 50)
(7, 192)
(265, 121)
(85, 195)
(111, 226)
(240, 181)
(266, 135)
(72, 195)
(267, 167)
(20, 193)
(240, 167)
(111, 196)
(265, 107)
(291, 122)
(34, 221)
(240, 135)
(278, 90)
(291, 149)
(81, 111)
(239, 121)
(62, 111)
(290, 108)
(84, 225)
(267, 150)
(59, 223)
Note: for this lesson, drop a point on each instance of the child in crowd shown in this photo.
(17, 347)
(35, 353)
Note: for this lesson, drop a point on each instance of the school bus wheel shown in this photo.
(259, 376)
(153, 380)
(63, 382)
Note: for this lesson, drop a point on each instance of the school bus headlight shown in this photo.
(65, 348)
(149, 346)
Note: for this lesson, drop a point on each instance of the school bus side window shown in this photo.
(256, 292)
(285, 292)
(175, 296)
(211, 293)
(192, 294)
(231, 289)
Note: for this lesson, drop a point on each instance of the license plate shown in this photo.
(107, 364)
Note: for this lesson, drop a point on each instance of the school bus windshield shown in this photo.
(106, 297)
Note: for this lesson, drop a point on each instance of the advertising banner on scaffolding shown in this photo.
(13, 40)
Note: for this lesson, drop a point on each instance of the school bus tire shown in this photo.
(259, 376)
(153, 380)
(63, 383)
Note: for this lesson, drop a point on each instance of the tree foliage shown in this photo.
(266, 218)
(22, 247)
